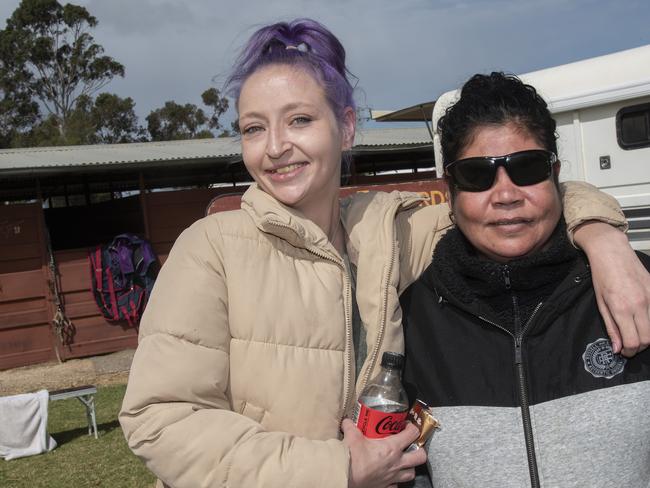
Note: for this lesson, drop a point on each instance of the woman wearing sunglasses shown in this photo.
(503, 334)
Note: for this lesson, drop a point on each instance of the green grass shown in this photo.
(80, 460)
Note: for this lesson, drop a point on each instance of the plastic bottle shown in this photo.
(383, 405)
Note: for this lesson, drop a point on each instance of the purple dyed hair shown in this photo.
(301, 42)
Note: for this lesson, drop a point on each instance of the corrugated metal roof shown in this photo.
(102, 154)
(170, 151)
(392, 137)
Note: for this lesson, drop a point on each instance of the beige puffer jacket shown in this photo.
(245, 367)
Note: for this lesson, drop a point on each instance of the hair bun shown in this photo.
(300, 42)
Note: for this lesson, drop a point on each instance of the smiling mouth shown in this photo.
(286, 169)
(506, 222)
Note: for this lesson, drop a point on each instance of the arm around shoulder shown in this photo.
(418, 232)
(584, 202)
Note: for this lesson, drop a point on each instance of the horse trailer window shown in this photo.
(633, 126)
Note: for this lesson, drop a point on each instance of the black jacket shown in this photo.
(531, 399)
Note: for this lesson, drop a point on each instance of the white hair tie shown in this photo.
(302, 47)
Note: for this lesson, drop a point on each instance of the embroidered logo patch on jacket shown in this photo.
(600, 360)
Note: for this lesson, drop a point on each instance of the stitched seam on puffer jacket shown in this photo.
(320, 348)
(243, 236)
(272, 246)
(184, 340)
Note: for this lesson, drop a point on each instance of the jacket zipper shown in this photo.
(506, 276)
(525, 415)
(348, 376)
(523, 387)
(372, 357)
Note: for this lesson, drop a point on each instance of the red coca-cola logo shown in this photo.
(390, 425)
(376, 424)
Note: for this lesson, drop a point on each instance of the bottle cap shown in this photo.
(392, 360)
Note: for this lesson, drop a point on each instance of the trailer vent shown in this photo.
(638, 219)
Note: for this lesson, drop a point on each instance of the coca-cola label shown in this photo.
(376, 424)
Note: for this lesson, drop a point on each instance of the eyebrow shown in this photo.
(286, 108)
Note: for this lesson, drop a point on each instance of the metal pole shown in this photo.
(426, 121)
(143, 206)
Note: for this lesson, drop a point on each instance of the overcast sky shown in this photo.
(402, 51)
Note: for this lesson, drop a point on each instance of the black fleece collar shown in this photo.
(529, 280)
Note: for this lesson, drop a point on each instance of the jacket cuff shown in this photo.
(583, 202)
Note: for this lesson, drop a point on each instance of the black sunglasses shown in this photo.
(524, 168)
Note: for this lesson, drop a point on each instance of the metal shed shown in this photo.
(81, 196)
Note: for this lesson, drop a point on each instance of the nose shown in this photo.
(277, 142)
(504, 191)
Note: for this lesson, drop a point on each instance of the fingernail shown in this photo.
(616, 347)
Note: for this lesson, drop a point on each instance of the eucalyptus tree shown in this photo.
(47, 55)
(174, 121)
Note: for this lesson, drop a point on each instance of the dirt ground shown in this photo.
(108, 369)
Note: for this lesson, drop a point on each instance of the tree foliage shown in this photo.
(219, 104)
(18, 112)
(48, 55)
(51, 70)
(113, 120)
(175, 122)
(108, 119)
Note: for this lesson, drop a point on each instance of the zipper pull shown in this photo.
(518, 359)
(506, 276)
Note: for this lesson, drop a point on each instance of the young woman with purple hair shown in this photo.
(266, 322)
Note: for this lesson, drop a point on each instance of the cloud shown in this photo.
(142, 17)
(402, 52)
